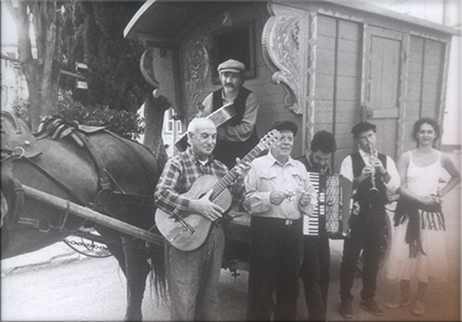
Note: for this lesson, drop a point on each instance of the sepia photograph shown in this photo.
(269, 160)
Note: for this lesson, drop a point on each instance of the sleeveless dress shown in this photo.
(421, 181)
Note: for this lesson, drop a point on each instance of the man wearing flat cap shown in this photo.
(372, 174)
(278, 193)
(239, 135)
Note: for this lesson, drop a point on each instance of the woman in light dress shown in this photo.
(418, 246)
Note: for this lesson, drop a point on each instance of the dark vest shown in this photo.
(362, 194)
(239, 104)
(226, 151)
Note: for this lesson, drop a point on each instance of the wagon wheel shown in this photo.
(87, 244)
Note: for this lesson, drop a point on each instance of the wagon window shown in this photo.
(236, 43)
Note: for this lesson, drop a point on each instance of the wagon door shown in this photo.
(383, 72)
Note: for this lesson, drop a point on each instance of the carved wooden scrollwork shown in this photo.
(197, 64)
(284, 41)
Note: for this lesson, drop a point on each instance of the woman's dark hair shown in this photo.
(426, 120)
(323, 141)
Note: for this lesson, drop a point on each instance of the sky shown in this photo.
(9, 31)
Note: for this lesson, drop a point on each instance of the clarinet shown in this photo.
(373, 191)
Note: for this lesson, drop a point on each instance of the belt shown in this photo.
(290, 222)
(279, 221)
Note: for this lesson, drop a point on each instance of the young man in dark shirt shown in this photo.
(316, 260)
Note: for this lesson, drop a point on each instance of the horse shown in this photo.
(91, 167)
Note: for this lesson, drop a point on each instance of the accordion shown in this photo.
(334, 198)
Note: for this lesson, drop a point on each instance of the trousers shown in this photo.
(275, 258)
(193, 279)
(315, 272)
(367, 233)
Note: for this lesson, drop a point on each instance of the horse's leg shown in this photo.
(113, 242)
(137, 269)
(133, 261)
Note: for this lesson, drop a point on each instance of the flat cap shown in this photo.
(285, 125)
(231, 65)
(361, 127)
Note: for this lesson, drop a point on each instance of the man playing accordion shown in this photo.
(316, 254)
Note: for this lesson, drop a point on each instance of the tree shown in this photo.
(73, 31)
(114, 76)
(41, 72)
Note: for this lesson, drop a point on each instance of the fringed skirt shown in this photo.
(431, 264)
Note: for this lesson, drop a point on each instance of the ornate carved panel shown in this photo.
(311, 70)
(197, 64)
(285, 51)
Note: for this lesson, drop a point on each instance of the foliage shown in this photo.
(89, 32)
(93, 34)
(123, 123)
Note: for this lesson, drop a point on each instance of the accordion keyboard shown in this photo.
(311, 223)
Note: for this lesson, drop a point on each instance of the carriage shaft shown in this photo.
(89, 214)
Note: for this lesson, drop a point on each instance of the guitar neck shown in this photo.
(226, 180)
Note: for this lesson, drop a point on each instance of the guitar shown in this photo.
(219, 117)
(188, 232)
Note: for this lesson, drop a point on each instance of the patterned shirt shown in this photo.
(266, 175)
(178, 176)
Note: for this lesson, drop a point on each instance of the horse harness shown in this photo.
(55, 127)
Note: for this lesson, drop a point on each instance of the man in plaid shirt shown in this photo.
(193, 275)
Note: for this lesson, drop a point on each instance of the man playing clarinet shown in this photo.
(372, 175)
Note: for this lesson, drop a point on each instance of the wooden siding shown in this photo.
(424, 83)
(338, 81)
(431, 80)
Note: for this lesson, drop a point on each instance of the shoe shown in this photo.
(419, 308)
(398, 303)
(346, 310)
(371, 307)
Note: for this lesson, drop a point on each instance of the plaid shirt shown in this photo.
(177, 178)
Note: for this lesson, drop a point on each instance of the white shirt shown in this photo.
(346, 170)
(266, 174)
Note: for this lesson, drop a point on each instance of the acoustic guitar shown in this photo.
(219, 117)
(188, 232)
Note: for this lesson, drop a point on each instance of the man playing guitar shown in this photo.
(193, 275)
